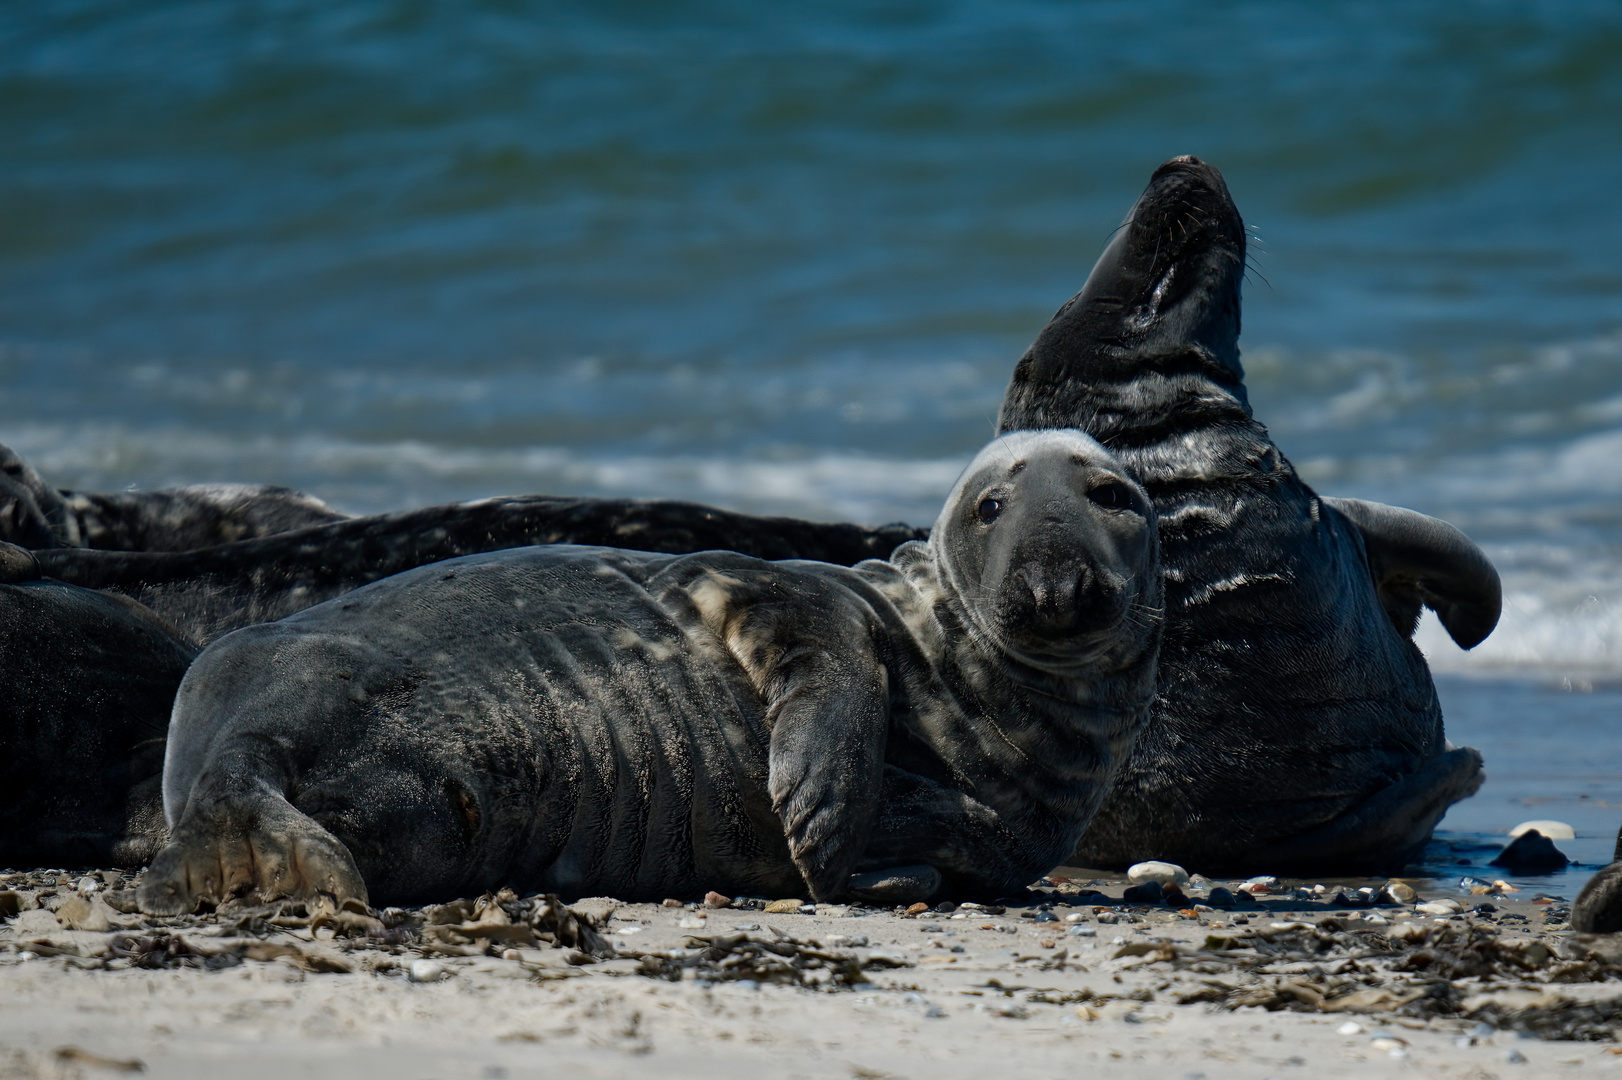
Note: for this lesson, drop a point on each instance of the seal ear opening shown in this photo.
(1418, 560)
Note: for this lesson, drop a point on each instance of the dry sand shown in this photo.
(1291, 988)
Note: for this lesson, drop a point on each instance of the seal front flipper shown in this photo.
(921, 821)
(247, 841)
(827, 748)
(1418, 560)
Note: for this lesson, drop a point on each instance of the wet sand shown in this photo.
(1288, 986)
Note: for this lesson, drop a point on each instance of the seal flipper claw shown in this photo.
(1418, 560)
(1384, 832)
(257, 845)
(900, 885)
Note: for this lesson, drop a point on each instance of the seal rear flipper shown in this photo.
(1418, 560)
(247, 842)
(1386, 831)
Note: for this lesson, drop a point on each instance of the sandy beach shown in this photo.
(1064, 980)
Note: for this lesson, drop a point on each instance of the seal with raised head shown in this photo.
(1296, 726)
(602, 720)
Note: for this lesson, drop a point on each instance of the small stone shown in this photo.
(914, 909)
(691, 922)
(1174, 897)
(1440, 907)
(1350, 1027)
(1531, 853)
(808, 909)
(1515, 1057)
(670, 903)
(715, 899)
(427, 971)
(1401, 892)
(1221, 898)
(1163, 873)
(1083, 931)
(1554, 830)
(786, 907)
(1075, 917)
(1147, 893)
(87, 885)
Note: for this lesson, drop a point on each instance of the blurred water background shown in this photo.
(396, 252)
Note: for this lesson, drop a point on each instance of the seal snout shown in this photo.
(1060, 600)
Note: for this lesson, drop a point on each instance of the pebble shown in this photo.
(1162, 873)
(1221, 898)
(915, 909)
(670, 903)
(88, 885)
(427, 971)
(715, 899)
(1350, 1027)
(690, 923)
(1515, 1057)
(1083, 931)
(1149, 892)
(784, 907)
(1401, 892)
(1554, 830)
(1440, 907)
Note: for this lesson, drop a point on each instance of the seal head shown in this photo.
(1042, 547)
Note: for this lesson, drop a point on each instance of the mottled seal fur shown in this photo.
(90, 680)
(212, 590)
(601, 720)
(35, 515)
(1296, 726)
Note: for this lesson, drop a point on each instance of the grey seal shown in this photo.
(583, 719)
(35, 515)
(1296, 727)
(90, 681)
(211, 590)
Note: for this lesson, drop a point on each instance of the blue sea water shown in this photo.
(399, 251)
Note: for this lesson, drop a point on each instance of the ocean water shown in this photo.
(396, 252)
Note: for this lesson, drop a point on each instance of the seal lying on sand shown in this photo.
(1296, 726)
(90, 680)
(601, 720)
(36, 515)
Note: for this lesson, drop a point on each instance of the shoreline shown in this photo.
(474, 989)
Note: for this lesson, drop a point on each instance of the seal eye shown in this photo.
(989, 509)
(1111, 496)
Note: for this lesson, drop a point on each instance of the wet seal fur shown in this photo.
(1296, 728)
(600, 720)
